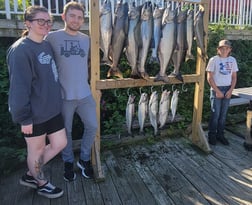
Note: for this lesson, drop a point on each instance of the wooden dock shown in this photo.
(168, 171)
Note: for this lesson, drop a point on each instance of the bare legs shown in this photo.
(38, 153)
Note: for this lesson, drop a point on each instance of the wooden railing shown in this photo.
(232, 12)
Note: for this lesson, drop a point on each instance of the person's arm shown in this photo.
(20, 88)
(211, 82)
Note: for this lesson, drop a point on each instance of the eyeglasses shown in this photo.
(42, 22)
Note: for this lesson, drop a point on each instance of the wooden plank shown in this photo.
(92, 192)
(197, 136)
(152, 184)
(136, 183)
(219, 177)
(130, 82)
(238, 34)
(190, 170)
(123, 188)
(94, 76)
(11, 192)
(109, 193)
(175, 184)
(56, 178)
(238, 101)
(14, 27)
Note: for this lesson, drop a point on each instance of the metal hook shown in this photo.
(162, 88)
(140, 90)
(116, 93)
(173, 87)
(128, 91)
(151, 89)
(184, 89)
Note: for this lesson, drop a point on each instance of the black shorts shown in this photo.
(50, 126)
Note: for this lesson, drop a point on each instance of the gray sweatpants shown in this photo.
(86, 109)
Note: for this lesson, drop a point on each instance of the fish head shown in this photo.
(131, 99)
(181, 14)
(157, 12)
(134, 12)
(121, 9)
(168, 15)
(146, 12)
(106, 7)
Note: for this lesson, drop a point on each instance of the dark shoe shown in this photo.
(223, 140)
(69, 174)
(29, 181)
(212, 140)
(86, 169)
(50, 191)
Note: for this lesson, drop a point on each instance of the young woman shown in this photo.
(35, 99)
(222, 77)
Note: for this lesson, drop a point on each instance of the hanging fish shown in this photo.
(164, 106)
(166, 45)
(105, 30)
(179, 53)
(133, 39)
(157, 22)
(174, 103)
(130, 110)
(142, 111)
(146, 35)
(200, 33)
(119, 34)
(153, 111)
(189, 33)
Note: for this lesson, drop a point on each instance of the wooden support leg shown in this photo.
(96, 161)
(202, 140)
(248, 137)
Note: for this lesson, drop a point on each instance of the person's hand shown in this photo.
(228, 94)
(219, 94)
(27, 129)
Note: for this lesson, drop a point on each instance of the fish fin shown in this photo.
(114, 72)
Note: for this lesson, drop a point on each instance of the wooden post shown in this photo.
(95, 76)
(198, 135)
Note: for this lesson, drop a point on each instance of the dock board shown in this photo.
(168, 171)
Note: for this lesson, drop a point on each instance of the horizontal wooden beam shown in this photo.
(238, 34)
(14, 28)
(130, 82)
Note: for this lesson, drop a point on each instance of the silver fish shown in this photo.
(142, 111)
(130, 110)
(153, 111)
(189, 34)
(200, 33)
(133, 38)
(166, 45)
(179, 53)
(105, 30)
(164, 106)
(157, 22)
(174, 103)
(146, 35)
(119, 35)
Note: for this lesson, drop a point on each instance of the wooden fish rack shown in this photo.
(97, 84)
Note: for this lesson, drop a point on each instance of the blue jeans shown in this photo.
(86, 109)
(219, 109)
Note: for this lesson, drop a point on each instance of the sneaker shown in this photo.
(223, 140)
(69, 174)
(86, 168)
(50, 191)
(212, 140)
(29, 181)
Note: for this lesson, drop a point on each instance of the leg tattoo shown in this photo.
(38, 169)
